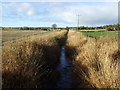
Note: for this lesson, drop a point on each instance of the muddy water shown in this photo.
(65, 70)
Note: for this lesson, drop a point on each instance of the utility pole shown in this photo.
(78, 21)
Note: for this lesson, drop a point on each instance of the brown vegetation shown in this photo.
(28, 63)
(95, 61)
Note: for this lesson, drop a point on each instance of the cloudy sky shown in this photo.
(61, 13)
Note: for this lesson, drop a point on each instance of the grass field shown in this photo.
(93, 30)
(9, 35)
(101, 34)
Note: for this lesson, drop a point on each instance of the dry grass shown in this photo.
(9, 35)
(95, 61)
(28, 63)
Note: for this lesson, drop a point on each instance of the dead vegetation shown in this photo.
(95, 61)
(28, 63)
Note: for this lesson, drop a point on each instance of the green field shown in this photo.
(93, 30)
(101, 34)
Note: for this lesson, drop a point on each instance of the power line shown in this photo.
(78, 20)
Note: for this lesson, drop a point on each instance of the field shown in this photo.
(96, 30)
(9, 35)
(101, 34)
(29, 58)
(60, 44)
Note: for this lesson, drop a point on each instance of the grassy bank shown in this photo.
(95, 61)
(28, 63)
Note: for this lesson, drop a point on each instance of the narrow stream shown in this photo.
(65, 70)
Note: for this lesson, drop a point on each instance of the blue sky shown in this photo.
(38, 14)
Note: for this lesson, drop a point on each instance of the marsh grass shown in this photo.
(28, 63)
(95, 61)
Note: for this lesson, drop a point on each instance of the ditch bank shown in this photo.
(29, 63)
(94, 62)
(64, 69)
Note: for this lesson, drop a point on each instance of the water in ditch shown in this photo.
(65, 70)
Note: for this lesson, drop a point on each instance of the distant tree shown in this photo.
(67, 28)
(82, 28)
(54, 26)
(25, 28)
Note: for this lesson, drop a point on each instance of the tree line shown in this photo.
(54, 27)
(107, 27)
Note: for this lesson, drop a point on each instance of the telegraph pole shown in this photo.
(78, 21)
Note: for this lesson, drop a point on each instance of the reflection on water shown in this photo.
(65, 70)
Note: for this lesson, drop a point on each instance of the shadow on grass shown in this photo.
(34, 70)
(78, 69)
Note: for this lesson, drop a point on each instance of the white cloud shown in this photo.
(90, 14)
(66, 13)
(24, 8)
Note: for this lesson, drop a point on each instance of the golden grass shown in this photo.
(95, 61)
(9, 35)
(27, 63)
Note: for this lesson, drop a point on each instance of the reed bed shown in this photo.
(28, 63)
(95, 61)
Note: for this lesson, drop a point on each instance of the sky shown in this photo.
(44, 14)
